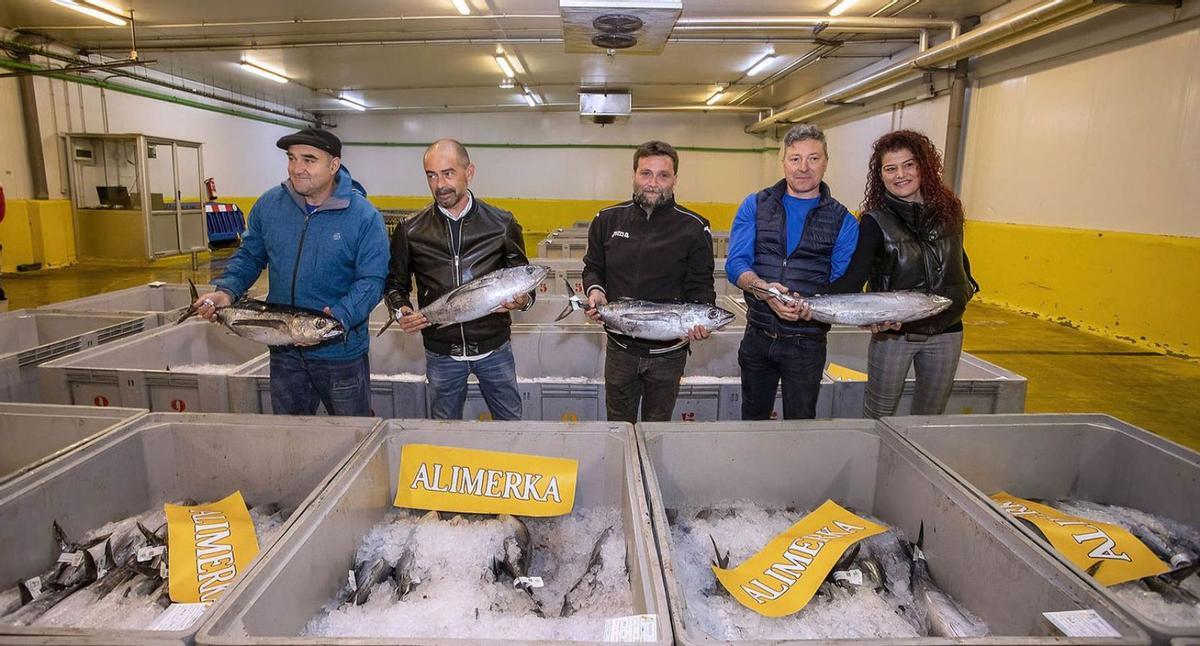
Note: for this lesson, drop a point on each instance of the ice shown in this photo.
(744, 532)
(116, 610)
(458, 597)
(203, 368)
(558, 380)
(1135, 593)
(705, 379)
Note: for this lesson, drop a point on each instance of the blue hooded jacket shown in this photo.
(336, 258)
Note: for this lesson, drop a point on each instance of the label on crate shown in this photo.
(1081, 623)
(147, 553)
(446, 478)
(178, 616)
(34, 586)
(210, 545)
(635, 628)
(839, 372)
(528, 582)
(1108, 552)
(783, 577)
(853, 577)
(72, 559)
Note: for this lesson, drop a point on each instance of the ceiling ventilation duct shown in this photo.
(633, 26)
(605, 107)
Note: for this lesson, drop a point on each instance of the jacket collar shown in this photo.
(910, 212)
(343, 189)
(437, 208)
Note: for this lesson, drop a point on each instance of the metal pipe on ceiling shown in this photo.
(829, 22)
(990, 35)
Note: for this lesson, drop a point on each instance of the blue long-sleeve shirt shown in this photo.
(740, 257)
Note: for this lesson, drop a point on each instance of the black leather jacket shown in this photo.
(922, 255)
(421, 249)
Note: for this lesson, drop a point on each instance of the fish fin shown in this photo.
(721, 561)
(60, 537)
(1095, 567)
(277, 325)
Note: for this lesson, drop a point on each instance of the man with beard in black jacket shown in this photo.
(648, 248)
(451, 242)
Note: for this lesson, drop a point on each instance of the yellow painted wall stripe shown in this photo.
(1135, 287)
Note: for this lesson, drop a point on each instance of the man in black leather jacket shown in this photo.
(451, 242)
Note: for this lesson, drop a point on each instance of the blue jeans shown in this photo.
(497, 375)
(299, 384)
(797, 361)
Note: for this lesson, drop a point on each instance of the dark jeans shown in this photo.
(796, 360)
(298, 384)
(653, 382)
(497, 375)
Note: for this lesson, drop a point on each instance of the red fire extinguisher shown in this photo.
(1, 203)
(210, 186)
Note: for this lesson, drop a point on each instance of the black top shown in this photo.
(870, 245)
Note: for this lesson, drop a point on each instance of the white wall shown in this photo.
(1107, 138)
(240, 153)
(850, 143)
(14, 165)
(555, 173)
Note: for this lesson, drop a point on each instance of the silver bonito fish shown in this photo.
(649, 320)
(271, 323)
(480, 297)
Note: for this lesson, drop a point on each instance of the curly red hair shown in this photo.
(942, 204)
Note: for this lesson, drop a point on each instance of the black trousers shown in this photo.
(652, 382)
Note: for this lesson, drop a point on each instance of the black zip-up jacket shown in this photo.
(422, 249)
(664, 256)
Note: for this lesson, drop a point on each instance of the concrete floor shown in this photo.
(1068, 370)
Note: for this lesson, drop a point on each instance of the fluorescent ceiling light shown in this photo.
(95, 12)
(462, 7)
(841, 7)
(505, 66)
(507, 83)
(263, 72)
(351, 104)
(716, 95)
(761, 65)
(530, 100)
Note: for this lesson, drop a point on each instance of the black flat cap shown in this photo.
(320, 139)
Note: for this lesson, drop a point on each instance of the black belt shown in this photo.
(775, 335)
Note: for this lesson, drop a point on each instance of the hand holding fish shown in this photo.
(596, 298)
(698, 333)
(412, 322)
(876, 328)
(780, 300)
(515, 304)
(206, 305)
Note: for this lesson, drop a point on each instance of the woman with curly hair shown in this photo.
(911, 238)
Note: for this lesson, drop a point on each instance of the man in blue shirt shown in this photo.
(795, 238)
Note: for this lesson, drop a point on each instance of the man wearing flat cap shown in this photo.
(325, 248)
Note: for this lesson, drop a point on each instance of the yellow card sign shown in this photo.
(210, 545)
(783, 577)
(445, 478)
(1116, 555)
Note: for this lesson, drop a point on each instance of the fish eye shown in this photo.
(320, 324)
(712, 314)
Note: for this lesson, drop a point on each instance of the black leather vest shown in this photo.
(920, 254)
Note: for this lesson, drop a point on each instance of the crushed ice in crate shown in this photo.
(203, 368)
(743, 529)
(456, 590)
(121, 599)
(1174, 603)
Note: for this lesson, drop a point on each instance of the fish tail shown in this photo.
(573, 302)
(191, 310)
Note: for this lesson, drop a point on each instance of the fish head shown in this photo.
(536, 273)
(939, 303)
(319, 328)
(711, 317)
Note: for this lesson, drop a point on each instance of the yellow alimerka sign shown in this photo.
(1116, 555)
(446, 478)
(210, 545)
(783, 577)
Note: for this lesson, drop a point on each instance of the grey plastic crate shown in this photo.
(164, 301)
(397, 378)
(33, 434)
(999, 574)
(161, 458)
(711, 389)
(308, 567)
(157, 370)
(979, 386)
(32, 337)
(1093, 457)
